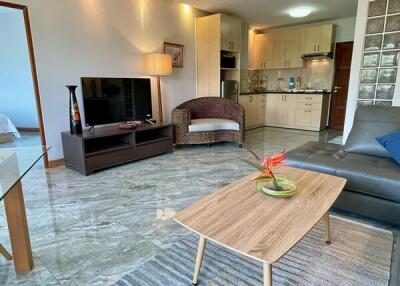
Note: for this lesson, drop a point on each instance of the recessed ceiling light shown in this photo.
(300, 12)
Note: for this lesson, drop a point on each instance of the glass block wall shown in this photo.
(381, 53)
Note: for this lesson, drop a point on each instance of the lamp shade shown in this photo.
(158, 64)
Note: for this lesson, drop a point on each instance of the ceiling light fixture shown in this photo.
(300, 12)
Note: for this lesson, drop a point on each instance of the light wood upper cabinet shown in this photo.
(319, 39)
(294, 48)
(230, 33)
(284, 49)
(263, 51)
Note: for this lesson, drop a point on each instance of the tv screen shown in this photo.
(111, 100)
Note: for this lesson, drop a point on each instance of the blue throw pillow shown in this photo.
(391, 142)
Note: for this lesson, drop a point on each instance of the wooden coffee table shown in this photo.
(257, 225)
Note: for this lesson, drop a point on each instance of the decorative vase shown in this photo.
(287, 187)
(75, 124)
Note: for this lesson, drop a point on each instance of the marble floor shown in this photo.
(93, 230)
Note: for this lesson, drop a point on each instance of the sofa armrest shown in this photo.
(181, 118)
(180, 121)
(240, 118)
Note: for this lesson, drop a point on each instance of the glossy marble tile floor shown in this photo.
(93, 230)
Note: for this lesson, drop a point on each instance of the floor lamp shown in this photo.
(158, 65)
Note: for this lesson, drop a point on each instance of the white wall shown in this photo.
(362, 14)
(345, 29)
(17, 99)
(75, 38)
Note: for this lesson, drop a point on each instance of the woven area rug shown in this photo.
(359, 255)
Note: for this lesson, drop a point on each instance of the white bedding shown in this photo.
(6, 126)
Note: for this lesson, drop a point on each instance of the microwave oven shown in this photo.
(228, 61)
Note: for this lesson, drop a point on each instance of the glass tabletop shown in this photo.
(15, 163)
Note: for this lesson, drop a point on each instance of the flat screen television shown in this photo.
(112, 100)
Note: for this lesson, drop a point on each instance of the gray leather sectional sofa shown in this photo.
(373, 178)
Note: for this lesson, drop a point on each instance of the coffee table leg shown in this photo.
(267, 274)
(18, 229)
(327, 228)
(199, 259)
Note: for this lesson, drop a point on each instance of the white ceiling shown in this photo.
(262, 14)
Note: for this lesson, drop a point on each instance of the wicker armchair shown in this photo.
(184, 116)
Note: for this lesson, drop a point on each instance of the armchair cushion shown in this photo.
(212, 124)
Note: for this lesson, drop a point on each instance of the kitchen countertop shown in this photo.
(284, 92)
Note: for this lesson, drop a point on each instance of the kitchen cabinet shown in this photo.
(261, 104)
(254, 106)
(312, 111)
(230, 33)
(262, 51)
(216, 34)
(319, 39)
(284, 49)
(298, 111)
(274, 110)
(293, 48)
(277, 50)
(280, 110)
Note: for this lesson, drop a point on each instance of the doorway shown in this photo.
(37, 116)
(343, 56)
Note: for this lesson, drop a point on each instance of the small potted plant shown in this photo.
(276, 185)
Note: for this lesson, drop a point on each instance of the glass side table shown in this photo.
(15, 163)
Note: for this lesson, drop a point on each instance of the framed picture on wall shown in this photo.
(176, 52)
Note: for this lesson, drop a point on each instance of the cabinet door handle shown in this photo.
(314, 48)
(318, 48)
(308, 97)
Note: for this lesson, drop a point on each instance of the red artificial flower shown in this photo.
(274, 160)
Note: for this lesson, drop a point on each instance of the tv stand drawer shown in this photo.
(109, 159)
(153, 148)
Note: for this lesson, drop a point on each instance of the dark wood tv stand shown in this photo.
(109, 146)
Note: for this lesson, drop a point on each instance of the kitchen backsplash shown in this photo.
(314, 75)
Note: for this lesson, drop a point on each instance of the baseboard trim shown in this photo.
(56, 163)
(27, 129)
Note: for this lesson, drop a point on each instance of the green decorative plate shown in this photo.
(288, 186)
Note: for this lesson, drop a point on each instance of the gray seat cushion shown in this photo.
(371, 122)
(374, 176)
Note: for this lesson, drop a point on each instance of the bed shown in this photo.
(7, 130)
